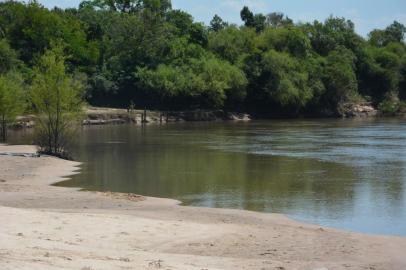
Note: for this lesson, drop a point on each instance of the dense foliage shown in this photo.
(143, 52)
(12, 101)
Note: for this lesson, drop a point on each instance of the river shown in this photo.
(347, 174)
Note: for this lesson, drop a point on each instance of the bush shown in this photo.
(389, 107)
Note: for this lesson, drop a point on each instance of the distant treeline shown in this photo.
(144, 53)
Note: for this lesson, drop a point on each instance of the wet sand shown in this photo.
(48, 227)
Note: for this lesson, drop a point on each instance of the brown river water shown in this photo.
(348, 174)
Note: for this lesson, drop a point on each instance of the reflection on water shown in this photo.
(341, 173)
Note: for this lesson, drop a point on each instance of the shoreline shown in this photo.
(95, 116)
(52, 227)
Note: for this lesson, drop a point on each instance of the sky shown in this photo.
(366, 14)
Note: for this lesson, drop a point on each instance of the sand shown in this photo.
(48, 227)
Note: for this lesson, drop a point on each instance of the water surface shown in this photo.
(347, 174)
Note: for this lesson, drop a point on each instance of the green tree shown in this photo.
(8, 57)
(185, 27)
(57, 99)
(380, 71)
(217, 23)
(247, 16)
(31, 28)
(326, 37)
(113, 5)
(287, 83)
(340, 79)
(277, 19)
(259, 22)
(12, 101)
(233, 44)
(393, 33)
(256, 21)
(205, 83)
(291, 40)
(396, 32)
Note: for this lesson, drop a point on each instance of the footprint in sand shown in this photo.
(156, 264)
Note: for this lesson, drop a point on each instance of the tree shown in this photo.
(287, 82)
(233, 44)
(198, 34)
(326, 37)
(379, 71)
(256, 21)
(11, 101)
(31, 28)
(247, 16)
(180, 20)
(129, 6)
(57, 99)
(259, 22)
(206, 83)
(393, 33)
(217, 23)
(8, 57)
(291, 40)
(378, 37)
(396, 32)
(340, 79)
(113, 5)
(278, 19)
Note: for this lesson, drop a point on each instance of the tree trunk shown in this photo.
(145, 116)
(3, 129)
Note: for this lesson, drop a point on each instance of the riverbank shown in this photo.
(109, 116)
(49, 227)
(100, 116)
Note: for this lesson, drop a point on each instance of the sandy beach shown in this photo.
(49, 227)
